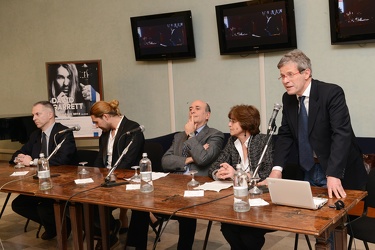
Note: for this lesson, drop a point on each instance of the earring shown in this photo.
(245, 133)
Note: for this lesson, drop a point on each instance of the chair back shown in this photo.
(370, 187)
(86, 155)
(154, 152)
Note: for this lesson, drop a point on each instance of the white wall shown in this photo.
(34, 32)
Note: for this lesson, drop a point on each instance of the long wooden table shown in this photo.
(168, 197)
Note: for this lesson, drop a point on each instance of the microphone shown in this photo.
(271, 123)
(140, 128)
(75, 128)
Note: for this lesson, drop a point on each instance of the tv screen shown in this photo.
(352, 21)
(167, 36)
(254, 27)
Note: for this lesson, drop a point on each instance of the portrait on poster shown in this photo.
(73, 87)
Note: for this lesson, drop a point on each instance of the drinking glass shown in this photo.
(83, 171)
(193, 183)
(254, 190)
(136, 177)
(19, 164)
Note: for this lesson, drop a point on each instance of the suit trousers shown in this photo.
(241, 237)
(36, 209)
(187, 227)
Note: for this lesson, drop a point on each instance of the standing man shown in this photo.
(112, 142)
(39, 209)
(332, 157)
(196, 148)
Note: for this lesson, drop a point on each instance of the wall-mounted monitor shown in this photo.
(256, 27)
(352, 21)
(167, 36)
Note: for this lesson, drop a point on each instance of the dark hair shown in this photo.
(47, 105)
(248, 116)
(100, 108)
(208, 108)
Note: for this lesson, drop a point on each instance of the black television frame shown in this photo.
(156, 46)
(285, 40)
(354, 33)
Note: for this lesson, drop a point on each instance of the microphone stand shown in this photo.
(58, 146)
(56, 149)
(255, 178)
(107, 179)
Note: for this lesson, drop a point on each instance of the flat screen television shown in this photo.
(256, 27)
(352, 21)
(167, 36)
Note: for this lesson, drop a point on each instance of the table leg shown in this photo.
(89, 225)
(104, 225)
(341, 237)
(60, 227)
(76, 223)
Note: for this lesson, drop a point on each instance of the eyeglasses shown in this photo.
(290, 75)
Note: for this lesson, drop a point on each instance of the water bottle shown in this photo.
(240, 189)
(44, 174)
(146, 174)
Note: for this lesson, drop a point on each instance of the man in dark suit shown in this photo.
(112, 142)
(196, 148)
(334, 159)
(39, 209)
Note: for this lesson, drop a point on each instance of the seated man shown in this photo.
(196, 148)
(112, 142)
(34, 208)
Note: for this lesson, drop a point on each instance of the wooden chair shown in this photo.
(363, 227)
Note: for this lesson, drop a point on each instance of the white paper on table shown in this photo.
(155, 176)
(258, 202)
(19, 173)
(194, 193)
(216, 185)
(84, 181)
(133, 186)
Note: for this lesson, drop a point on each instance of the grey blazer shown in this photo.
(173, 161)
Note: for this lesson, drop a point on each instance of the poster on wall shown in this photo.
(73, 87)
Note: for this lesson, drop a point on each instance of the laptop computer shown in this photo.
(293, 193)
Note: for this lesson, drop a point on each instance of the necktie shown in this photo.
(306, 158)
(44, 144)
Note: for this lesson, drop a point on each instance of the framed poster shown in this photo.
(73, 87)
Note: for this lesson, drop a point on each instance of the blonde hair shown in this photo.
(100, 108)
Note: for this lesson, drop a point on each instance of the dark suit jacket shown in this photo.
(330, 133)
(173, 160)
(122, 140)
(64, 156)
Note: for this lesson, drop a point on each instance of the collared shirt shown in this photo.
(306, 93)
(244, 161)
(111, 140)
(48, 134)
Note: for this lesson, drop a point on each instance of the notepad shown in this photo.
(293, 193)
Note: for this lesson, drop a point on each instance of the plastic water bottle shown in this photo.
(44, 174)
(146, 174)
(240, 189)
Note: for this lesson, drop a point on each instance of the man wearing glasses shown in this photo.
(328, 152)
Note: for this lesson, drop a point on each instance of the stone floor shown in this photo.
(13, 237)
